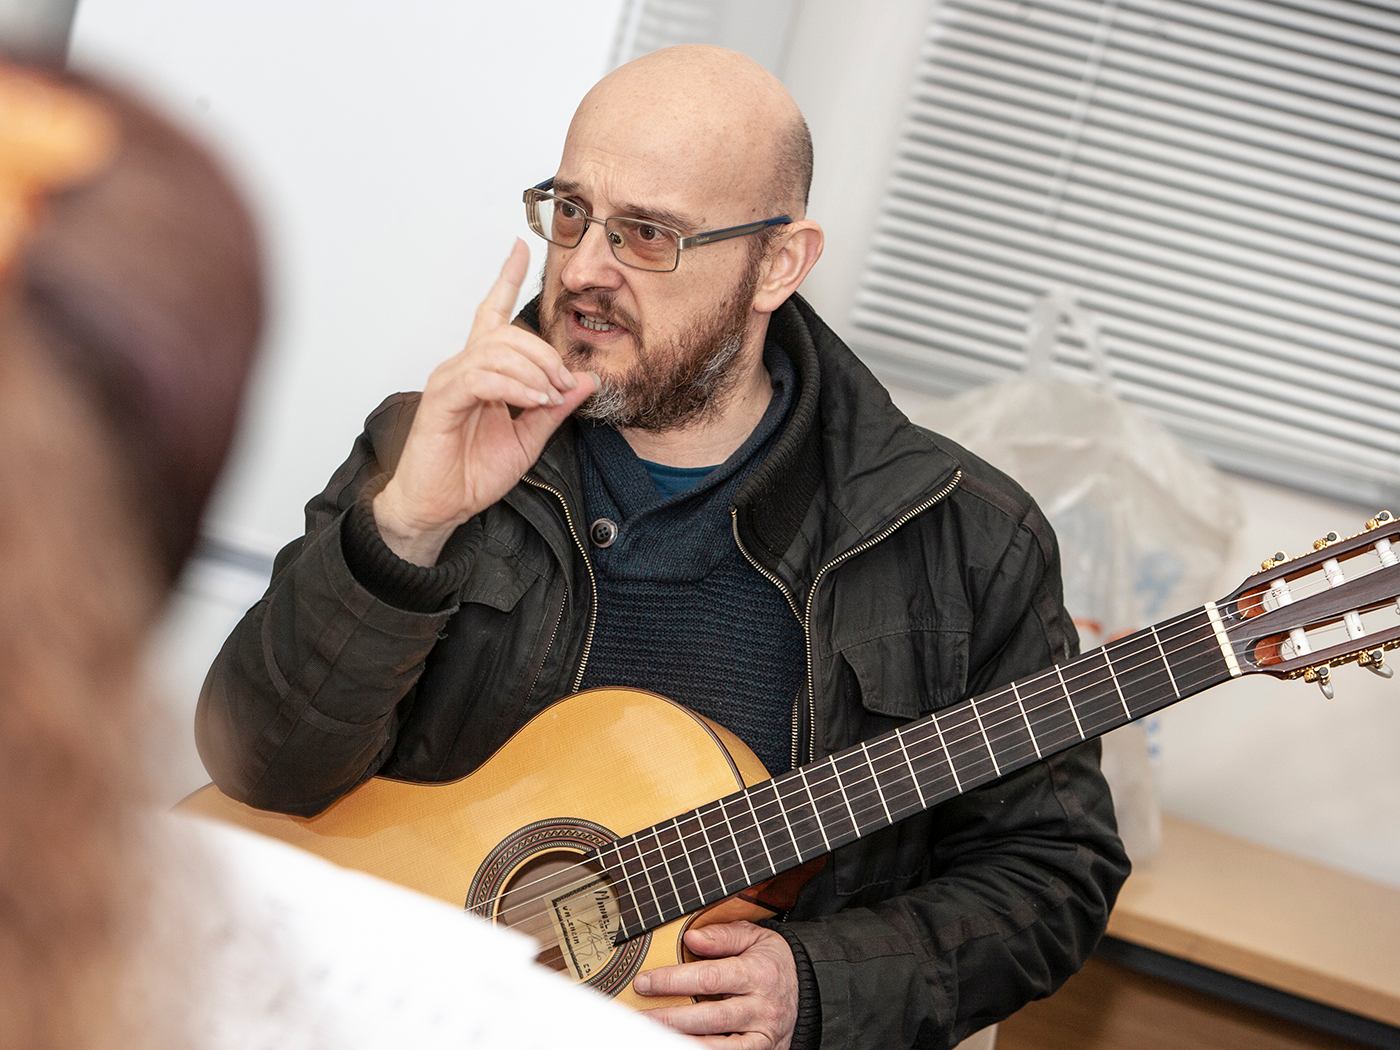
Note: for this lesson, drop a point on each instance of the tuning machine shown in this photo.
(1274, 560)
(1322, 675)
(1326, 541)
(1374, 661)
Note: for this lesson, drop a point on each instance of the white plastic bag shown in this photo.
(1144, 523)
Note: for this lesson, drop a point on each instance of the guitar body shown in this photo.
(506, 840)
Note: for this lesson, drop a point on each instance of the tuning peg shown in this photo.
(1273, 560)
(1322, 675)
(1326, 541)
(1374, 661)
(1383, 517)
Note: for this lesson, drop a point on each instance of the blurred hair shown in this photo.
(126, 333)
(76, 600)
(143, 284)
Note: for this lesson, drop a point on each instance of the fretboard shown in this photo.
(709, 853)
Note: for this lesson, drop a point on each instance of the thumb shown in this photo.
(534, 425)
(722, 938)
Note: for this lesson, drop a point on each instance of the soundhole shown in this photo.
(540, 882)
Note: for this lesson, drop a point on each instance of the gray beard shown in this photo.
(644, 401)
(672, 386)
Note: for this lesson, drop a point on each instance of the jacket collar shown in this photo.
(845, 465)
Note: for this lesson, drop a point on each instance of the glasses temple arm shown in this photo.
(695, 240)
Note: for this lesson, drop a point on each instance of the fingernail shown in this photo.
(597, 379)
(642, 983)
(542, 398)
(555, 399)
(567, 378)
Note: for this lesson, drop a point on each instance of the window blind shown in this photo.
(1217, 182)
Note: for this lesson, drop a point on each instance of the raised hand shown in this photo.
(484, 419)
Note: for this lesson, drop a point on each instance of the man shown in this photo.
(669, 473)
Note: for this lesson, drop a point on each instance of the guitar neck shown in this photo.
(709, 853)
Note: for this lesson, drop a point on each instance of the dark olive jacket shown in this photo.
(920, 576)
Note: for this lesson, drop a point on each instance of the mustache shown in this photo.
(601, 304)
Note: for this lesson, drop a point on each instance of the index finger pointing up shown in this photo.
(495, 310)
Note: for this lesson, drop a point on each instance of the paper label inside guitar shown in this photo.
(585, 921)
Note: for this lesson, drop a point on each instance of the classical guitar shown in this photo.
(615, 818)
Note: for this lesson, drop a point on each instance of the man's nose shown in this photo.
(591, 264)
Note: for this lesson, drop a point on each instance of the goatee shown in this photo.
(670, 385)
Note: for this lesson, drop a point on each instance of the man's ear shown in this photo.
(796, 252)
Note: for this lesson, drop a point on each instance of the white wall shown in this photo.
(387, 146)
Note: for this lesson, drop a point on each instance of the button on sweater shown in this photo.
(680, 609)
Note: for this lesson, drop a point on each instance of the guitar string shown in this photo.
(541, 925)
(648, 866)
(1057, 697)
(1208, 646)
(905, 797)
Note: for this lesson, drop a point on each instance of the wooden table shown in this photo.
(1258, 923)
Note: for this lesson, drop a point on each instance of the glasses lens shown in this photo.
(642, 244)
(556, 220)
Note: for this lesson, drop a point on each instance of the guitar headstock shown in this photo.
(1340, 603)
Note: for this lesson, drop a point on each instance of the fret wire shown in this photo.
(627, 894)
(666, 863)
(616, 848)
(665, 869)
(1112, 674)
(957, 781)
(844, 797)
(901, 796)
(875, 778)
(996, 768)
(816, 811)
(921, 735)
(914, 776)
(709, 845)
(1165, 662)
(762, 839)
(646, 871)
(1069, 700)
(778, 794)
(738, 847)
(685, 852)
(1030, 730)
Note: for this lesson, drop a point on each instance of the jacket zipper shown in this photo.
(773, 578)
(806, 620)
(553, 634)
(592, 580)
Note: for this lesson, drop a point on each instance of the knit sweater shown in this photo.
(681, 611)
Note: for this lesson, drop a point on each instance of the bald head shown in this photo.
(703, 115)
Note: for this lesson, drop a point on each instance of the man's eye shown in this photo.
(569, 211)
(648, 233)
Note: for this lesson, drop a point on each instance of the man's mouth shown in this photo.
(593, 324)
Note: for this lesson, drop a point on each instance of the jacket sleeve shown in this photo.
(305, 697)
(1025, 870)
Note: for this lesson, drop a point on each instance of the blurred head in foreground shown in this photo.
(130, 305)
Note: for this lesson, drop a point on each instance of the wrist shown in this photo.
(411, 541)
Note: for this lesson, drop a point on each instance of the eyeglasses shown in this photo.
(638, 243)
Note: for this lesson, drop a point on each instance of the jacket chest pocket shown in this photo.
(886, 681)
(472, 691)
